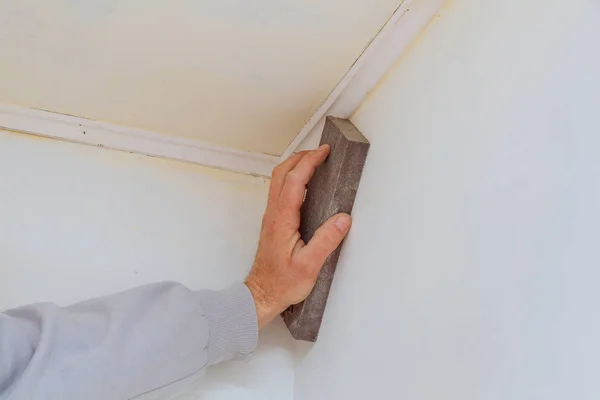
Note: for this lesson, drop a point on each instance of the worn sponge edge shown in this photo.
(331, 190)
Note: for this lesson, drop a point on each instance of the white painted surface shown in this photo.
(361, 77)
(77, 221)
(236, 73)
(471, 271)
(403, 26)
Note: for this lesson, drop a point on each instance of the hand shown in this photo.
(285, 268)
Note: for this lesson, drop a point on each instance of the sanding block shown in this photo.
(331, 190)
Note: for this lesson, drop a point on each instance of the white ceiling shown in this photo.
(245, 74)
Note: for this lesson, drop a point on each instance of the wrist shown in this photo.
(266, 308)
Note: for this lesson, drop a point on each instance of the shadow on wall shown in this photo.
(252, 380)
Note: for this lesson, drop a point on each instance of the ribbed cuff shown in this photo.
(232, 322)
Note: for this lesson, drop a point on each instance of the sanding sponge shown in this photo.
(332, 190)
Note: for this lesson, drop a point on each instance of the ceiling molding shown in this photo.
(100, 134)
(362, 77)
(378, 57)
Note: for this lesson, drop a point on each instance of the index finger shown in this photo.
(280, 172)
(292, 193)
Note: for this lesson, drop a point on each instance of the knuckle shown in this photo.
(327, 240)
(265, 220)
(324, 235)
(269, 224)
(302, 264)
(289, 202)
(277, 171)
(313, 157)
(293, 178)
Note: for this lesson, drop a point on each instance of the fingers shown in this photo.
(326, 239)
(292, 193)
(280, 172)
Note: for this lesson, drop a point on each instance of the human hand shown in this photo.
(285, 268)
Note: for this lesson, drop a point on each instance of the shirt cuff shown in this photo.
(232, 322)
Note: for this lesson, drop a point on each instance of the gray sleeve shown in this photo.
(120, 346)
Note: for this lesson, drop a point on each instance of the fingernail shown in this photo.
(323, 147)
(343, 222)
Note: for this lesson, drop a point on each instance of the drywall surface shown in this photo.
(241, 73)
(77, 221)
(471, 271)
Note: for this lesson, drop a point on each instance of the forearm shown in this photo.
(122, 345)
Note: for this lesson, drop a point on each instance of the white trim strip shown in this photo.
(387, 46)
(85, 131)
(403, 26)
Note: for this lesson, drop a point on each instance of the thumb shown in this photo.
(325, 240)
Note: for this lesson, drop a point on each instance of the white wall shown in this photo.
(241, 73)
(471, 271)
(77, 221)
